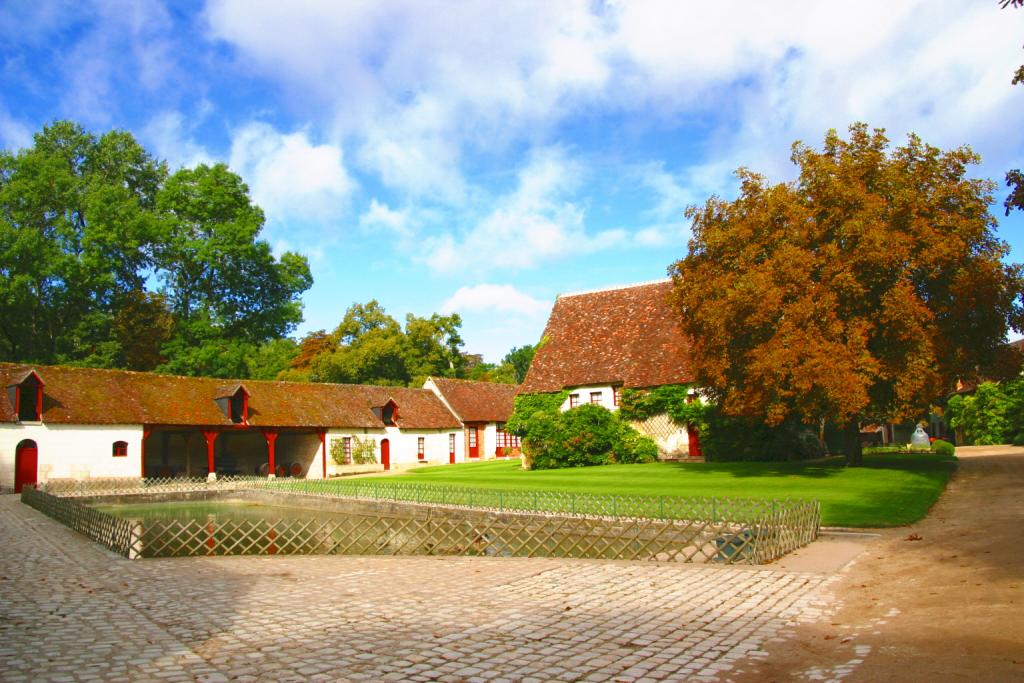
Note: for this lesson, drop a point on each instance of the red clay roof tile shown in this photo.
(627, 335)
(478, 401)
(92, 396)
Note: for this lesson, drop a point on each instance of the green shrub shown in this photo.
(944, 448)
(634, 447)
(528, 405)
(584, 436)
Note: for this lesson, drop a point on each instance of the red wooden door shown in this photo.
(451, 449)
(694, 438)
(474, 444)
(26, 465)
(385, 454)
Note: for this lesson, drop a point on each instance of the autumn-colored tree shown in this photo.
(861, 290)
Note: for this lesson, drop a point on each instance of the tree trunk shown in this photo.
(854, 455)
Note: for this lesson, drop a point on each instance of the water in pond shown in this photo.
(171, 529)
(217, 511)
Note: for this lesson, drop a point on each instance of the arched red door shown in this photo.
(26, 464)
(385, 454)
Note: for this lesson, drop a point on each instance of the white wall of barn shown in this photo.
(86, 451)
(72, 451)
(403, 445)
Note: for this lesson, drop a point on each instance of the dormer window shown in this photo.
(234, 402)
(26, 393)
(389, 414)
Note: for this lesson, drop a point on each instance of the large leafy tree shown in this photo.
(519, 358)
(369, 346)
(88, 223)
(227, 292)
(76, 230)
(860, 290)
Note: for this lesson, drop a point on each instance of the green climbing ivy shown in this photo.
(672, 400)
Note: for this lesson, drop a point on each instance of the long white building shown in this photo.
(62, 422)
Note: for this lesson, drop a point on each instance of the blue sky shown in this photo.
(483, 157)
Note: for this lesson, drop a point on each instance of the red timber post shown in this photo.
(146, 431)
(271, 436)
(323, 449)
(211, 439)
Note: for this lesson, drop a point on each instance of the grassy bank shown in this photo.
(890, 490)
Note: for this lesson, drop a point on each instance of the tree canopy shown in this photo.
(860, 290)
(109, 260)
(371, 347)
(511, 370)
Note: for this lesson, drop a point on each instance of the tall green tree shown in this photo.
(227, 292)
(371, 347)
(76, 229)
(861, 290)
(519, 358)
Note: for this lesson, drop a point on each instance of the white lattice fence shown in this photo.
(671, 438)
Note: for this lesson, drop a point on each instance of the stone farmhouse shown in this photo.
(599, 342)
(63, 422)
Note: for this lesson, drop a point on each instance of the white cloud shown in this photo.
(428, 84)
(497, 298)
(170, 138)
(291, 178)
(382, 217)
(536, 221)
(14, 134)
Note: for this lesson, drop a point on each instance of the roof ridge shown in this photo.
(470, 381)
(222, 381)
(613, 288)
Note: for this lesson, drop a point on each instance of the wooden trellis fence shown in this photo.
(519, 523)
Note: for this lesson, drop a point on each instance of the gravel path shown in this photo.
(942, 600)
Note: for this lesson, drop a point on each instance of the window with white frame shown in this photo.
(507, 439)
(346, 448)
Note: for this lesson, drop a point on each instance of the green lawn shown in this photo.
(890, 490)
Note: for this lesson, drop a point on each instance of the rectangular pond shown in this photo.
(251, 522)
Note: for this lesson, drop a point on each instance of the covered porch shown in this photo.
(189, 451)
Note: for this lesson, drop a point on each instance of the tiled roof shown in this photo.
(91, 396)
(626, 335)
(478, 401)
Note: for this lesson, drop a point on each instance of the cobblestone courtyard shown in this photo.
(69, 610)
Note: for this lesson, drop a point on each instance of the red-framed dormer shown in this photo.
(26, 395)
(234, 403)
(389, 413)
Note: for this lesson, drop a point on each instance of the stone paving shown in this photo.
(71, 611)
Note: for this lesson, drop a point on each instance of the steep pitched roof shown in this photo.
(478, 401)
(628, 335)
(92, 396)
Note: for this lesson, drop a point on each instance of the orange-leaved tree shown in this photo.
(861, 290)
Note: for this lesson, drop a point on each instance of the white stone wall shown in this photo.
(607, 396)
(403, 445)
(72, 451)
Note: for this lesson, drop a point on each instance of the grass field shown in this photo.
(890, 490)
